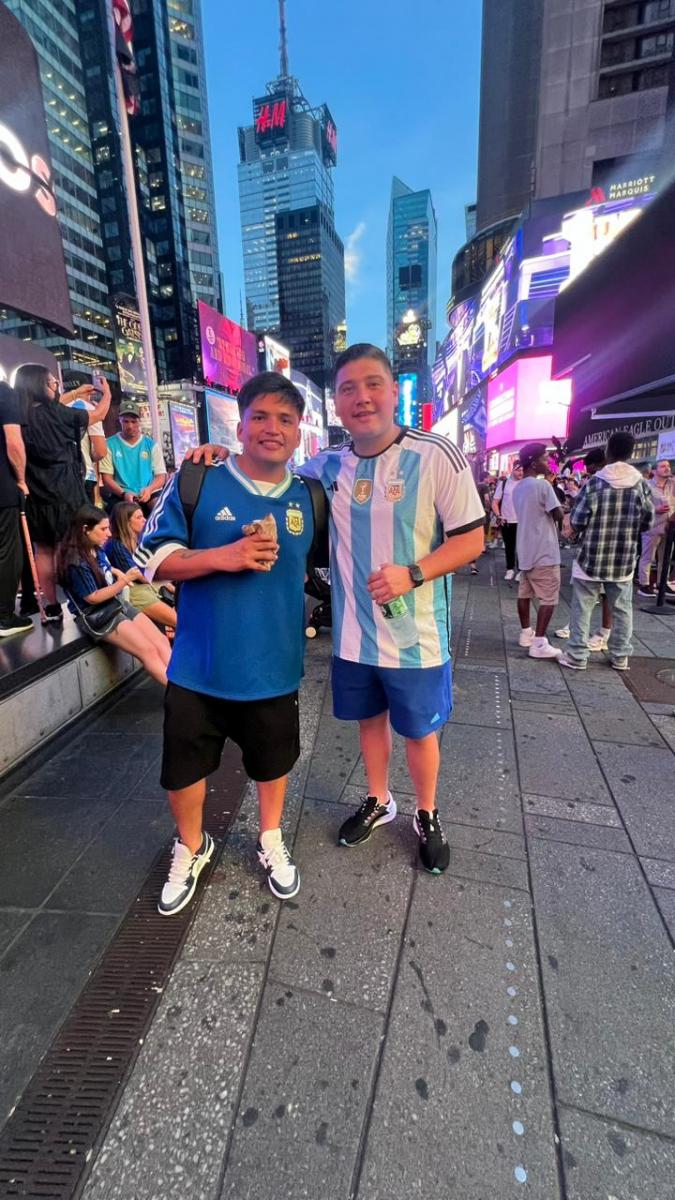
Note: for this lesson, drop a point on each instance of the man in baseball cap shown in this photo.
(133, 468)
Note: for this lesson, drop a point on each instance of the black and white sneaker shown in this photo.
(14, 624)
(358, 828)
(186, 868)
(434, 849)
(283, 876)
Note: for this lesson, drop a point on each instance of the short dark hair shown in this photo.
(595, 457)
(361, 350)
(270, 383)
(530, 453)
(620, 446)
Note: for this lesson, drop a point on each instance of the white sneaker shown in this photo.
(526, 637)
(186, 868)
(542, 648)
(571, 663)
(619, 664)
(564, 632)
(598, 641)
(283, 876)
(509, 575)
(518, 574)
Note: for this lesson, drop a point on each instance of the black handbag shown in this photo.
(99, 619)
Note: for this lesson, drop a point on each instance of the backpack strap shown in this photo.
(190, 482)
(318, 551)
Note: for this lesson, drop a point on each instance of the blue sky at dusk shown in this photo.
(401, 80)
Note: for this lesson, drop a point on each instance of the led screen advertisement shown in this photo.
(277, 357)
(524, 403)
(516, 306)
(32, 269)
(229, 353)
(408, 407)
(222, 418)
(184, 430)
(129, 347)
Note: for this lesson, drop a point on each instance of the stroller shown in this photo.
(318, 586)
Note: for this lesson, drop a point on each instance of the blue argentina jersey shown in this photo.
(240, 635)
(395, 507)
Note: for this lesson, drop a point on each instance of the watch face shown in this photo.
(416, 574)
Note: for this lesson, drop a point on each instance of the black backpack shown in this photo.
(191, 479)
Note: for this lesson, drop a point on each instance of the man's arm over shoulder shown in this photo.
(165, 530)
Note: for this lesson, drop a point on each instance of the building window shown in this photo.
(659, 10)
(615, 85)
(614, 53)
(621, 18)
(651, 77)
(657, 43)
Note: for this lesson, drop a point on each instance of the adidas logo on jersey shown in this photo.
(225, 515)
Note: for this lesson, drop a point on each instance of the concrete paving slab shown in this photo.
(60, 827)
(478, 782)
(488, 868)
(486, 841)
(462, 1101)
(604, 1161)
(666, 902)
(12, 921)
(341, 934)
(555, 758)
(536, 677)
(609, 980)
(624, 722)
(41, 976)
(578, 833)
(572, 810)
(109, 873)
(238, 913)
(170, 1131)
(659, 873)
(95, 764)
(665, 723)
(641, 782)
(335, 756)
(302, 1109)
(141, 710)
(480, 699)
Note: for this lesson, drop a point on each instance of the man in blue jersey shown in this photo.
(404, 514)
(133, 468)
(237, 657)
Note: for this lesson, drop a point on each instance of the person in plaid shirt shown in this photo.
(611, 512)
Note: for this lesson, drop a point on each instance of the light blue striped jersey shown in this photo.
(395, 507)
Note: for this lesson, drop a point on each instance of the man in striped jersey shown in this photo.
(405, 514)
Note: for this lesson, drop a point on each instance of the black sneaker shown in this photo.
(357, 829)
(15, 624)
(53, 612)
(647, 590)
(434, 849)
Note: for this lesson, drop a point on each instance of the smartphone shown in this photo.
(98, 380)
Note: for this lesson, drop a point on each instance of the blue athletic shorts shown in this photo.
(419, 699)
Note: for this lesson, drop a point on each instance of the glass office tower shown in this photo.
(411, 282)
(286, 161)
(311, 276)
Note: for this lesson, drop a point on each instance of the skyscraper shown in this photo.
(311, 273)
(573, 97)
(173, 175)
(411, 282)
(287, 157)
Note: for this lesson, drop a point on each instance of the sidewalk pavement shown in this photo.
(505, 1030)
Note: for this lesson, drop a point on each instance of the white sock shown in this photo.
(605, 632)
(541, 641)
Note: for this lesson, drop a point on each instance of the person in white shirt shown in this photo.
(502, 507)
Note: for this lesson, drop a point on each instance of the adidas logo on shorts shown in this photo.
(225, 515)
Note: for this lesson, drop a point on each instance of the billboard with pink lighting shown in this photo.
(229, 353)
(524, 403)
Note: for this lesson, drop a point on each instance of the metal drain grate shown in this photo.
(649, 679)
(57, 1126)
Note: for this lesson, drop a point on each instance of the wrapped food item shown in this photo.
(265, 527)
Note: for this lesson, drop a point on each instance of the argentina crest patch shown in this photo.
(295, 521)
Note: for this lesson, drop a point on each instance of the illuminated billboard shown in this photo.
(524, 403)
(515, 308)
(184, 430)
(270, 118)
(277, 357)
(408, 408)
(328, 136)
(229, 353)
(222, 418)
(129, 347)
(32, 268)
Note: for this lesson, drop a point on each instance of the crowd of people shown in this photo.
(238, 535)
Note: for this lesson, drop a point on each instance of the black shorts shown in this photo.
(196, 728)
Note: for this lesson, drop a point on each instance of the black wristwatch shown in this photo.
(416, 575)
